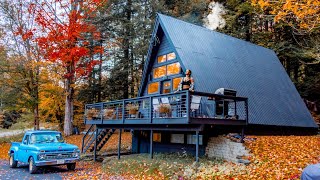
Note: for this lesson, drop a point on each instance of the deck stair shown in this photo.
(102, 138)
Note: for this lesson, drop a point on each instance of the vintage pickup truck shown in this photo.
(43, 148)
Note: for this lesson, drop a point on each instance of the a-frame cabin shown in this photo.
(237, 84)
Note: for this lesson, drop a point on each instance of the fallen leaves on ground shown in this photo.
(281, 157)
(4, 148)
(272, 157)
(93, 170)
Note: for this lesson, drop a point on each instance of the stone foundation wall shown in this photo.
(222, 147)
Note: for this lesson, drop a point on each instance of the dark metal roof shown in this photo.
(218, 60)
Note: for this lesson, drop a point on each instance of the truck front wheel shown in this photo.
(71, 166)
(12, 162)
(32, 167)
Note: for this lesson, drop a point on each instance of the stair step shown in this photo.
(102, 139)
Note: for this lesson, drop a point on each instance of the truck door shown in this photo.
(23, 150)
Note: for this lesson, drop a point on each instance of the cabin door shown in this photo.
(165, 87)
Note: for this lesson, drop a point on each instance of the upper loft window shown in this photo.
(171, 56)
(166, 70)
(166, 57)
(162, 58)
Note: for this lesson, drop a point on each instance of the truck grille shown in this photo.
(58, 156)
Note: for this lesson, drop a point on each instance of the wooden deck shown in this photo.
(175, 108)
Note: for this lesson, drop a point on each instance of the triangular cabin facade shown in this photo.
(237, 85)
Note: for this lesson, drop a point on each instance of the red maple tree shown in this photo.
(65, 27)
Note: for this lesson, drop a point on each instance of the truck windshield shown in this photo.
(46, 138)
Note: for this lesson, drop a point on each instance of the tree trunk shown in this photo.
(36, 117)
(68, 109)
(126, 44)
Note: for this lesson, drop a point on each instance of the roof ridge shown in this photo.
(212, 31)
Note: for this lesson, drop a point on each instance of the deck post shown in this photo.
(197, 146)
(242, 135)
(119, 145)
(151, 144)
(95, 145)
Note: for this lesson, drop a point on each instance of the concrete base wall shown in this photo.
(221, 147)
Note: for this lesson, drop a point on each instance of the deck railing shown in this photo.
(182, 105)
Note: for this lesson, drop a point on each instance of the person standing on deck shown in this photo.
(186, 83)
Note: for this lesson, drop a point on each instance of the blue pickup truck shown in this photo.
(43, 148)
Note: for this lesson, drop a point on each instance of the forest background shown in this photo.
(56, 55)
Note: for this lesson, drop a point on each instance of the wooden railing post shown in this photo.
(123, 111)
(188, 105)
(151, 110)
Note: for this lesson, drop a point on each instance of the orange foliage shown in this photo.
(301, 14)
(64, 34)
(4, 151)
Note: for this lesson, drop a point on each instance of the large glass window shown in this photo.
(166, 57)
(153, 87)
(192, 139)
(175, 83)
(166, 70)
(177, 138)
(159, 72)
(173, 69)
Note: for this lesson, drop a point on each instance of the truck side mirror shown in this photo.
(25, 141)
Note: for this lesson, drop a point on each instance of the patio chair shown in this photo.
(165, 100)
(155, 106)
(195, 104)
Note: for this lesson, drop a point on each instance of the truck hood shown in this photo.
(54, 146)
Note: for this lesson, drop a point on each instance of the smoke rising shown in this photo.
(214, 19)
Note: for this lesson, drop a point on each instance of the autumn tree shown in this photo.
(20, 69)
(65, 27)
(302, 15)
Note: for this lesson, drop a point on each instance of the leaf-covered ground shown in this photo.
(273, 157)
(282, 157)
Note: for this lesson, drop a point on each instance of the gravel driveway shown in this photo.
(22, 173)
